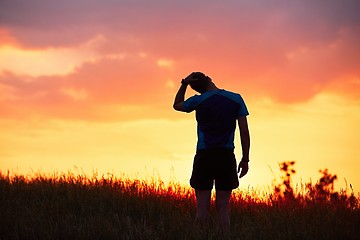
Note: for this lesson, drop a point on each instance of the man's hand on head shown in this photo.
(189, 79)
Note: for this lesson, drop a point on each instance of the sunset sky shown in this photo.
(88, 85)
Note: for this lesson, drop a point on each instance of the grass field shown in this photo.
(68, 206)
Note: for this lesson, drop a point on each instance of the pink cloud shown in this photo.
(85, 93)
(289, 51)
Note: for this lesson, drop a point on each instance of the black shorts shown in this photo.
(214, 165)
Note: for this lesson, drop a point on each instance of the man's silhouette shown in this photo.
(217, 111)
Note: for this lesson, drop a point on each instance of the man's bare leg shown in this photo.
(222, 207)
(203, 198)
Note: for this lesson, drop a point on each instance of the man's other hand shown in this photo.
(243, 168)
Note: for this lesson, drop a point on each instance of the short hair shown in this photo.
(201, 83)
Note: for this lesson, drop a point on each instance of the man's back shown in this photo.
(216, 114)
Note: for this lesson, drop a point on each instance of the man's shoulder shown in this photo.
(231, 95)
(192, 102)
(237, 98)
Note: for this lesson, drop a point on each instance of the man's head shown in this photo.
(200, 82)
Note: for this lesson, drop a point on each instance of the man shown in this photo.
(217, 111)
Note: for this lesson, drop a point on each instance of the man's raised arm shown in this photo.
(180, 96)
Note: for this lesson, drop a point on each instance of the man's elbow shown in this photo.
(179, 107)
(244, 131)
(175, 106)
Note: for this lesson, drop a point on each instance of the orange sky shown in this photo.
(90, 84)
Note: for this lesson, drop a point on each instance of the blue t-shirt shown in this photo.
(216, 115)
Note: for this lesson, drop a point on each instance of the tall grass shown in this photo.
(68, 206)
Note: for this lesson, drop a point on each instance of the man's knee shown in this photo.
(222, 199)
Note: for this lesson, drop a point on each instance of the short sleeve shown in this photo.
(239, 100)
(191, 103)
(242, 107)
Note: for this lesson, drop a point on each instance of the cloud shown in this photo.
(127, 52)
(103, 89)
(46, 61)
